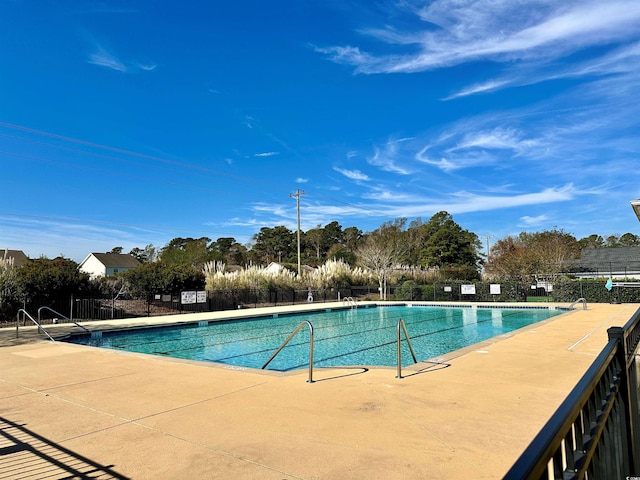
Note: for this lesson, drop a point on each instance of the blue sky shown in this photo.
(127, 123)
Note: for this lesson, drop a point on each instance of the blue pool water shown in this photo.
(362, 336)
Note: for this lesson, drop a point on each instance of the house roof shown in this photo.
(613, 259)
(115, 260)
(18, 256)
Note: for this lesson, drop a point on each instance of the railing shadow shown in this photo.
(25, 454)
(430, 367)
(358, 371)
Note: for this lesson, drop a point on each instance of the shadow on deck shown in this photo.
(25, 454)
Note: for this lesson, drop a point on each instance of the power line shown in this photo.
(147, 157)
(102, 222)
(135, 154)
(100, 170)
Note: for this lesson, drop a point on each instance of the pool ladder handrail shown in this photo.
(402, 326)
(293, 334)
(584, 303)
(350, 302)
(26, 314)
(63, 316)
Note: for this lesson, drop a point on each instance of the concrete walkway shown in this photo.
(67, 409)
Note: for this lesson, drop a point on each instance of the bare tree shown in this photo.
(381, 250)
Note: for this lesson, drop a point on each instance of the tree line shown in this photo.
(396, 251)
(440, 241)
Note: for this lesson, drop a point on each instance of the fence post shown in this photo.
(629, 397)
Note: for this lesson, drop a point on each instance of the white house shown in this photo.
(105, 264)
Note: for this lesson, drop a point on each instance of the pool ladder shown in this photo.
(401, 327)
(284, 344)
(584, 303)
(38, 322)
(350, 302)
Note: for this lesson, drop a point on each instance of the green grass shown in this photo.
(539, 299)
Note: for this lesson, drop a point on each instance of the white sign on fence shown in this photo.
(494, 288)
(188, 298)
(468, 289)
(201, 296)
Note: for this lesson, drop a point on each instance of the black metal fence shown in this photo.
(81, 308)
(86, 309)
(595, 433)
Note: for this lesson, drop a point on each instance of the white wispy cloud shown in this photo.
(387, 204)
(147, 66)
(301, 180)
(527, 221)
(383, 193)
(449, 159)
(243, 222)
(352, 174)
(497, 138)
(104, 58)
(458, 31)
(466, 202)
(387, 156)
(621, 61)
(266, 154)
(441, 163)
(488, 86)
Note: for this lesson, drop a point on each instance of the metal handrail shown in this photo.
(66, 318)
(350, 301)
(40, 327)
(293, 334)
(402, 325)
(584, 303)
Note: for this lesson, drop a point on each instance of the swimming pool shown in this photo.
(343, 337)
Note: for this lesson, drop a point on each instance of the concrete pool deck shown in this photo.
(69, 408)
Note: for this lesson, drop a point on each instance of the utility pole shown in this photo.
(297, 196)
(487, 238)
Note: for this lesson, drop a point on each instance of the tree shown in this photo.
(549, 251)
(229, 251)
(117, 250)
(220, 248)
(159, 277)
(274, 244)
(332, 234)
(447, 244)
(382, 249)
(592, 241)
(41, 281)
(629, 240)
(351, 237)
(194, 252)
(319, 240)
(612, 241)
(507, 260)
(341, 252)
(314, 239)
(416, 235)
(148, 254)
(542, 255)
